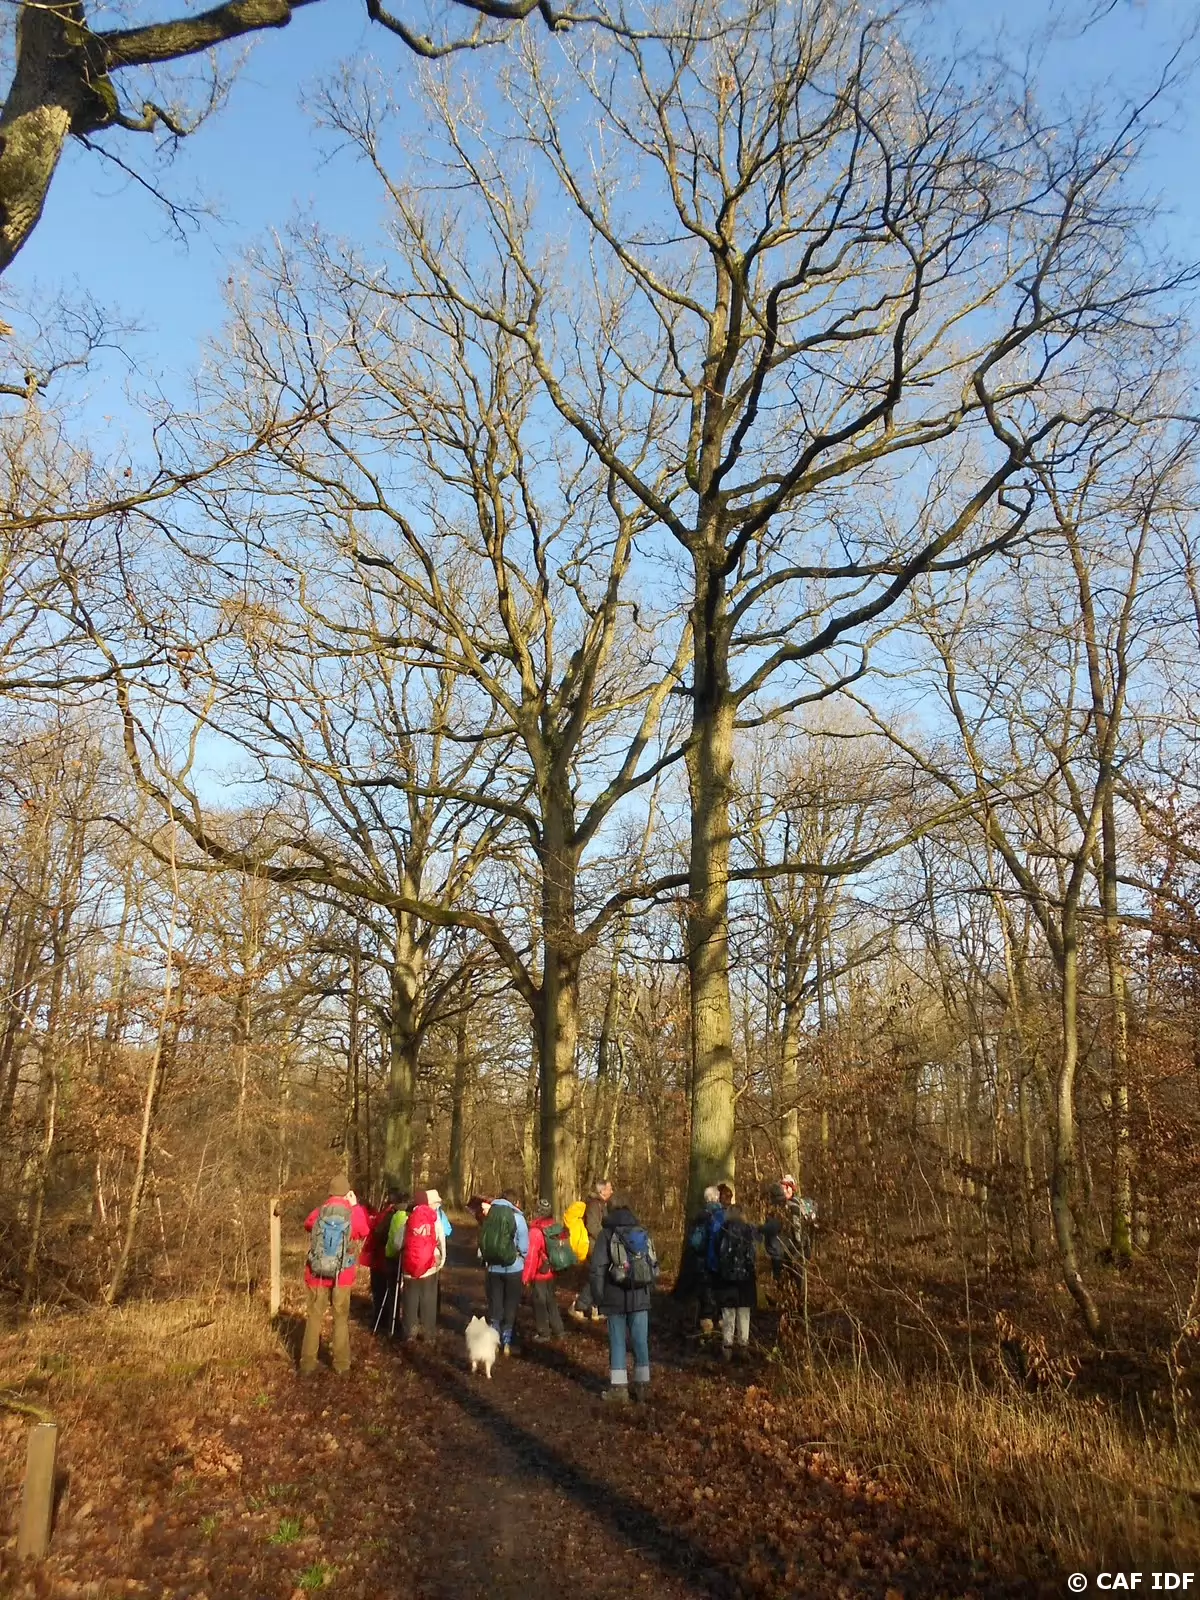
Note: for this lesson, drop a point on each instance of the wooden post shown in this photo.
(37, 1501)
(276, 1247)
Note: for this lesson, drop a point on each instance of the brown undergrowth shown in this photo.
(1046, 1452)
(831, 1465)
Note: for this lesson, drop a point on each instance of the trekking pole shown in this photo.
(395, 1299)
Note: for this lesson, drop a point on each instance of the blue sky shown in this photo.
(261, 161)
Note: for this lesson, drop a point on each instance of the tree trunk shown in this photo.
(353, 1061)
(558, 1011)
(59, 87)
(163, 1048)
(529, 1121)
(404, 1038)
(19, 1005)
(789, 1060)
(1121, 1231)
(458, 1143)
(49, 1104)
(1064, 1163)
(710, 776)
(606, 1055)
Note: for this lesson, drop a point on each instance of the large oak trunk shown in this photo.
(558, 1011)
(710, 775)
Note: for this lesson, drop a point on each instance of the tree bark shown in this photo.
(1121, 1231)
(558, 1008)
(458, 1143)
(710, 776)
(163, 1048)
(789, 1057)
(1065, 1152)
(404, 1040)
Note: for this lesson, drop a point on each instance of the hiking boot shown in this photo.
(641, 1393)
(618, 1392)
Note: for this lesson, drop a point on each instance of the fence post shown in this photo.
(276, 1248)
(37, 1501)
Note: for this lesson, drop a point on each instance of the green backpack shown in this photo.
(560, 1252)
(498, 1237)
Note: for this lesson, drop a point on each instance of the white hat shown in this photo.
(433, 1198)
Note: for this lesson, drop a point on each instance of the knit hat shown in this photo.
(544, 1209)
(340, 1184)
(433, 1198)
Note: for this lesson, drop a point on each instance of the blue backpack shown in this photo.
(330, 1249)
(632, 1262)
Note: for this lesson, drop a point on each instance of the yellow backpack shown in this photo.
(573, 1218)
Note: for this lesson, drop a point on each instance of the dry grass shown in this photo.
(72, 1358)
(1037, 1480)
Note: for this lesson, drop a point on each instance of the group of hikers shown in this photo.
(599, 1244)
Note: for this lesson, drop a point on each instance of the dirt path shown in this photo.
(413, 1479)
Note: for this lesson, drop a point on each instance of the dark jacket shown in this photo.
(607, 1295)
(745, 1291)
(593, 1216)
(693, 1276)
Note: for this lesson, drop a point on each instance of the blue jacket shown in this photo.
(522, 1240)
(716, 1221)
(445, 1222)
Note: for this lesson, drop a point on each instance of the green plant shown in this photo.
(263, 1399)
(287, 1532)
(209, 1525)
(316, 1576)
(280, 1491)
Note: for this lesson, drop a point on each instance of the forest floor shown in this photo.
(222, 1474)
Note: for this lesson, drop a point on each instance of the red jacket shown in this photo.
(360, 1227)
(537, 1262)
(372, 1255)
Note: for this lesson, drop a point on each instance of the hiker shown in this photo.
(788, 1229)
(503, 1247)
(422, 1250)
(736, 1279)
(374, 1256)
(594, 1208)
(336, 1230)
(550, 1252)
(694, 1281)
(392, 1253)
(624, 1268)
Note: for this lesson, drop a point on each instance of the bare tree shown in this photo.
(866, 283)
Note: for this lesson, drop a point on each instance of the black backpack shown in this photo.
(737, 1248)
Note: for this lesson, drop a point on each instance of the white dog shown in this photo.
(483, 1344)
